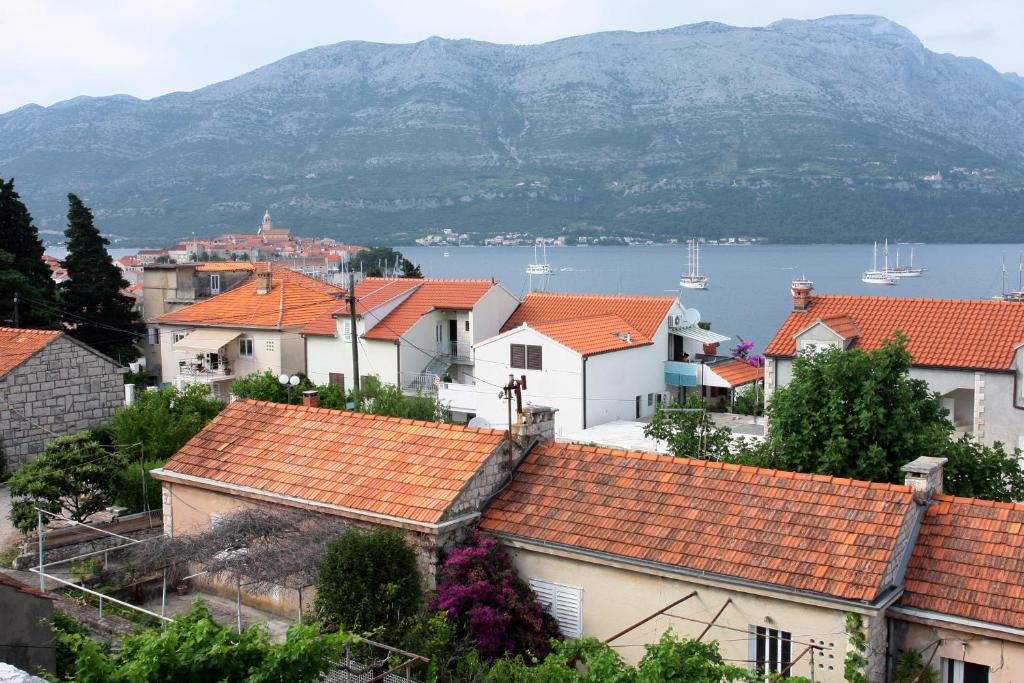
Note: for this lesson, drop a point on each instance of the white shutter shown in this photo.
(346, 331)
(565, 604)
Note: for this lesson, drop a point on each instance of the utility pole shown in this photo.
(513, 390)
(352, 318)
(17, 316)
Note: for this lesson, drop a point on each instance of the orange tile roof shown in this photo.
(384, 465)
(17, 345)
(810, 533)
(594, 335)
(294, 299)
(737, 373)
(460, 295)
(220, 266)
(370, 293)
(842, 325)
(969, 561)
(954, 333)
(644, 313)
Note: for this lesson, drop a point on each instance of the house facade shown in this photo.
(408, 331)
(51, 385)
(970, 352)
(253, 327)
(594, 358)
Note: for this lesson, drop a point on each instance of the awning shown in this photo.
(699, 334)
(205, 341)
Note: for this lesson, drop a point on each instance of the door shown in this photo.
(453, 336)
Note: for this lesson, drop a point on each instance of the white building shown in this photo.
(409, 332)
(595, 358)
(254, 327)
(969, 352)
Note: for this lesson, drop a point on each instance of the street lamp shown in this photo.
(289, 382)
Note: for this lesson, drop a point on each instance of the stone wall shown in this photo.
(61, 390)
(65, 542)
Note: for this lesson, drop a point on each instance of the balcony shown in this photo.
(461, 398)
(456, 351)
(681, 373)
(191, 372)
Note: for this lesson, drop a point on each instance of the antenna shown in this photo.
(692, 317)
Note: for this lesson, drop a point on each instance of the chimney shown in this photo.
(538, 422)
(263, 285)
(801, 295)
(311, 399)
(924, 475)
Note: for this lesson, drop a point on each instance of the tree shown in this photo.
(264, 386)
(194, 647)
(376, 262)
(978, 471)
(22, 269)
(491, 606)
(369, 583)
(410, 269)
(95, 310)
(855, 414)
(73, 476)
(378, 398)
(690, 432)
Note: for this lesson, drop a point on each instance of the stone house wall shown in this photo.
(64, 388)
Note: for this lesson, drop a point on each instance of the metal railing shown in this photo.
(456, 350)
(422, 382)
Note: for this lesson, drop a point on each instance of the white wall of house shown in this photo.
(615, 380)
(491, 312)
(272, 351)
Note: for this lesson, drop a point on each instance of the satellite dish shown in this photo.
(692, 317)
(479, 423)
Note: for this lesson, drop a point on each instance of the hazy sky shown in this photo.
(57, 49)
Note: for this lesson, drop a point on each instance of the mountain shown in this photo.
(825, 130)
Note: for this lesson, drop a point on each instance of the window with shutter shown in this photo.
(534, 358)
(517, 356)
(346, 331)
(337, 379)
(565, 604)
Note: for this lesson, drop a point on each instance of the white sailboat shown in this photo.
(1017, 296)
(876, 276)
(539, 267)
(693, 279)
(905, 271)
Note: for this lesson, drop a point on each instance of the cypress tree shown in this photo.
(96, 312)
(22, 269)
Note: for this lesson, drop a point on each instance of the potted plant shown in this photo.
(711, 349)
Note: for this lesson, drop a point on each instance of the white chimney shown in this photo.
(924, 475)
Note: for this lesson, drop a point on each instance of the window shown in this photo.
(467, 326)
(517, 356)
(215, 284)
(771, 649)
(955, 671)
(245, 347)
(154, 336)
(565, 604)
(346, 331)
(638, 398)
(526, 357)
(270, 345)
(816, 346)
(337, 379)
(534, 358)
(658, 399)
(650, 400)
(178, 336)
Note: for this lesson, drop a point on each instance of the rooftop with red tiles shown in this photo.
(17, 345)
(737, 372)
(594, 335)
(405, 469)
(969, 561)
(431, 295)
(816, 534)
(954, 333)
(644, 313)
(371, 292)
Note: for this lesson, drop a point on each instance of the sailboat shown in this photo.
(876, 276)
(905, 271)
(693, 279)
(539, 267)
(1018, 295)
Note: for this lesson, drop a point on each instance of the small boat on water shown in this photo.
(541, 266)
(692, 279)
(876, 276)
(1016, 296)
(905, 271)
(802, 282)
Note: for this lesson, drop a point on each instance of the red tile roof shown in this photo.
(842, 325)
(810, 533)
(294, 299)
(17, 345)
(644, 313)
(8, 580)
(594, 335)
(371, 292)
(969, 561)
(389, 466)
(460, 295)
(221, 266)
(737, 373)
(955, 333)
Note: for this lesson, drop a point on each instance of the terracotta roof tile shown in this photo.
(737, 373)
(17, 345)
(955, 333)
(594, 335)
(221, 266)
(644, 313)
(802, 532)
(969, 561)
(294, 299)
(383, 465)
(429, 296)
(371, 292)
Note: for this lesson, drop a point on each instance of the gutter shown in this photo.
(163, 474)
(914, 613)
(881, 603)
(584, 372)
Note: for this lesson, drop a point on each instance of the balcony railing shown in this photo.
(458, 397)
(681, 373)
(457, 351)
(419, 382)
(204, 372)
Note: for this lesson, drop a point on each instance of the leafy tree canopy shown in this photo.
(73, 476)
(95, 310)
(22, 269)
(380, 261)
(162, 421)
(689, 432)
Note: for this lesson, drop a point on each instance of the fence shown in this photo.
(383, 670)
